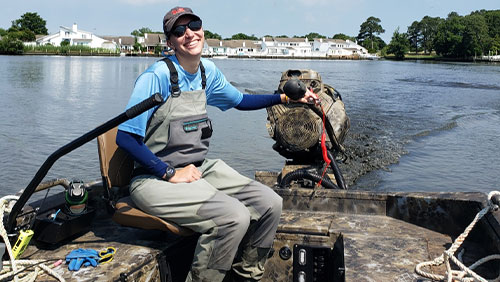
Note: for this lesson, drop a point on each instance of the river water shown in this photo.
(441, 118)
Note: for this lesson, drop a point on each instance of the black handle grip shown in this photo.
(143, 106)
(495, 199)
(294, 89)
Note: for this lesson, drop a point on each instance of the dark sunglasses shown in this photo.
(193, 25)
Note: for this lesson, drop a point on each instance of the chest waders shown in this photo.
(179, 131)
(222, 206)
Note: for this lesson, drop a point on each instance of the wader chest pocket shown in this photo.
(188, 142)
(192, 126)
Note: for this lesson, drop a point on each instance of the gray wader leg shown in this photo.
(220, 207)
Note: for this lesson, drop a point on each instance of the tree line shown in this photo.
(460, 37)
(453, 37)
(22, 30)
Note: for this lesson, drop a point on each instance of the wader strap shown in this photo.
(203, 77)
(174, 78)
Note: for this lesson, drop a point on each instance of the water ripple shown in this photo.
(452, 84)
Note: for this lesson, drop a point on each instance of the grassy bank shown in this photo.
(414, 56)
(69, 51)
(434, 57)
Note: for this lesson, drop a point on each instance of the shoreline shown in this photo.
(110, 54)
(440, 59)
(329, 58)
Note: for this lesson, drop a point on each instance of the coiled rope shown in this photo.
(18, 273)
(465, 274)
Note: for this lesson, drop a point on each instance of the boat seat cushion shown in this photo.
(128, 214)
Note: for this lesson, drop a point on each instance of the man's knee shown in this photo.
(273, 203)
(238, 221)
(276, 206)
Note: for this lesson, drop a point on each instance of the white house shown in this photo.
(357, 49)
(215, 47)
(294, 47)
(153, 40)
(76, 37)
(285, 47)
(125, 43)
(337, 48)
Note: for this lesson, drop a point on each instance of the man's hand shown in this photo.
(309, 98)
(186, 174)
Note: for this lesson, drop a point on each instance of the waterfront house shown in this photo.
(244, 48)
(214, 47)
(152, 41)
(291, 47)
(75, 37)
(124, 43)
(357, 49)
(330, 47)
(338, 48)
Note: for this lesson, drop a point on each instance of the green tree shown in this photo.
(493, 22)
(210, 35)
(23, 35)
(429, 27)
(3, 32)
(368, 29)
(449, 37)
(30, 21)
(242, 36)
(475, 35)
(140, 32)
(399, 44)
(383, 51)
(65, 43)
(380, 42)
(492, 19)
(494, 45)
(377, 44)
(342, 36)
(158, 49)
(414, 35)
(11, 46)
(463, 37)
(137, 46)
(310, 36)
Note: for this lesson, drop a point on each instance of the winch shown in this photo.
(296, 128)
(308, 135)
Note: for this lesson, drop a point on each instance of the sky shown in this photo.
(252, 17)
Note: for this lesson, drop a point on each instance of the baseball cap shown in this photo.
(173, 15)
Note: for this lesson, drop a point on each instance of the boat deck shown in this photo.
(380, 248)
(136, 255)
(384, 239)
(377, 248)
